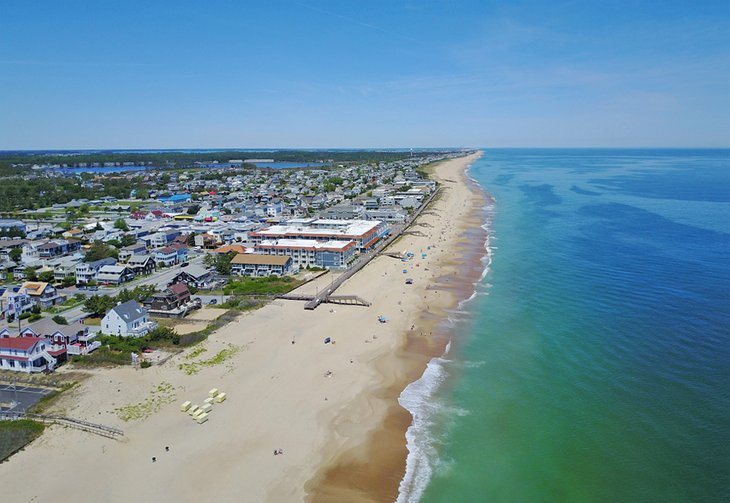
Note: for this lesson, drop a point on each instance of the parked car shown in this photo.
(184, 264)
(213, 301)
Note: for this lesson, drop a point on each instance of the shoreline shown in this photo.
(375, 469)
(322, 404)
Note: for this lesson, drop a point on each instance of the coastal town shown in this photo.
(75, 272)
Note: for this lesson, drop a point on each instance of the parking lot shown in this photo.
(25, 396)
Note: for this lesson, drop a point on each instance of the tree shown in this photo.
(127, 239)
(191, 239)
(30, 273)
(193, 209)
(46, 276)
(15, 255)
(68, 281)
(121, 225)
(222, 262)
(100, 250)
(60, 320)
(98, 305)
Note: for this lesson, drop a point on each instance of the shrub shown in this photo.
(145, 364)
(60, 320)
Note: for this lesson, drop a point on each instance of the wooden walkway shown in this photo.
(97, 429)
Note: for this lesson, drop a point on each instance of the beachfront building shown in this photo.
(173, 302)
(73, 339)
(128, 320)
(309, 253)
(24, 354)
(259, 265)
(365, 233)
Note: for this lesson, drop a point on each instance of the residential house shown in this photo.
(114, 274)
(6, 245)
(194, 276)
(134, 249)
(165, 257)
(253, 264)
(141, 264)
(24, 354)
(172, 302)
(57, 248)
(86, 271)
(230, 248)
(43, 295)
(15, 301)
(7, 224)
(73, 339)
(128, 320)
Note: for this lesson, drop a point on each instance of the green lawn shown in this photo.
(14, 435)
(272, 285)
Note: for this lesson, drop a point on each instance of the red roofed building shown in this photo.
(24, 354)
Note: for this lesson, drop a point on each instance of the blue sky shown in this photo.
(311, 73)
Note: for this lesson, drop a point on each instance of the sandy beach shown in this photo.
(331, 408)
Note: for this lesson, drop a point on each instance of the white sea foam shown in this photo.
(419, 396)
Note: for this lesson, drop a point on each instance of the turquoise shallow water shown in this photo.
(593, 365)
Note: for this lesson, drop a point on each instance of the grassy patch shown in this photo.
(221, 356)
(92, 321)
(271, 285)
(163, 394)
(14, 435)
(195, 353)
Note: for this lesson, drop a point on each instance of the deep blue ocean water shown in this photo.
(593, 364)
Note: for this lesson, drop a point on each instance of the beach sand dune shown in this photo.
(330, 408)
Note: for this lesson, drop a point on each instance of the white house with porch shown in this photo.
(128, 320)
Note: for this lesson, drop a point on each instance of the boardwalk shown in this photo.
(97, 429)
(322, 296)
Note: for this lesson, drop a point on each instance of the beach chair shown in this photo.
(201, 418)
(206, 408)
(185, 406)
(210, 399)
(213, 392)
(220, 398)
(193, 409)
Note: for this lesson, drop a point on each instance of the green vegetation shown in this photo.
(116, 350)
(60, 320)
(100, 250)
(220, 261)
(14, 435)
(163, 394)
(120, 224)
(195, 353)
(271, 285)
(99, 305)
(220, 357)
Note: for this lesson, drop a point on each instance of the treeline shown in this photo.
(175, 159)
(43, 192)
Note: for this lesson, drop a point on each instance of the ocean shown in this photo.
(593, 362)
